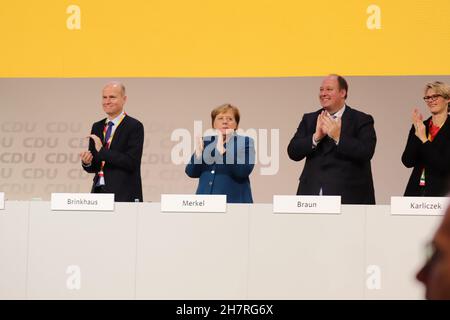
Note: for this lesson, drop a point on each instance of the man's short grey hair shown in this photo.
(119, 84)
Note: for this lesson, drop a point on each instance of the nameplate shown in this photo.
(2, 200)
(419, 206)
(307, 204)
(193, 203)
(82, 201)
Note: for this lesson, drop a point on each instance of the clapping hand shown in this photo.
(199, 146)
(420, 130)
(98, 143)
(320, 131)
(86, 157)
(332, 127)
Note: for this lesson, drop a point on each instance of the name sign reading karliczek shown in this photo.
(193, 203)
(307, 204)
(82, 201)
(2, 200)
(419, 206)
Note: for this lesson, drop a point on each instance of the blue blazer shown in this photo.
(225, 174)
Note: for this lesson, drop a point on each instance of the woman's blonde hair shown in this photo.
(440, 88)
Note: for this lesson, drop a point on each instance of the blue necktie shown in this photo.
(108, 133)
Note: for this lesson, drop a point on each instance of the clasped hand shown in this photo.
(86, 156)
(221, 138)
(327, 126)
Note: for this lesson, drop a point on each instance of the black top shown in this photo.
(434, 157)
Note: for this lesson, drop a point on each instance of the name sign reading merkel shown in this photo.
(419, 206)
(82, 201)
(193, 203)
(307, 204)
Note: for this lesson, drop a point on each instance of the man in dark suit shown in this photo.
(338, 143)
(115, 149)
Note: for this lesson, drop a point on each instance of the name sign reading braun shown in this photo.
(82, 201)
(419, 206)
(307, 204)
(2, 200)
(193, 203)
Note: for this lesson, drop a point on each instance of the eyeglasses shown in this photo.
(431, 98)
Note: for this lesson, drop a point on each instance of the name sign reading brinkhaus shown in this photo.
(2, 200)
(82, 201)
(193, 203)
(419, 206)
(307, 204)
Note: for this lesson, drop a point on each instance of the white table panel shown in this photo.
(192, 255)
(13, 250)
(101, 245)
(396, 245)
(246, 253)
(306, 256)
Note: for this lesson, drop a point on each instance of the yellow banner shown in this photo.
(233, 38)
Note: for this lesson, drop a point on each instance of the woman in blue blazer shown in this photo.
(223, 162)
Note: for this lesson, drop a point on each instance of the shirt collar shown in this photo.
(116, 119)
(339, 113)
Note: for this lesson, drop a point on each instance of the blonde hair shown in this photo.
(224, 108)
(440, 88)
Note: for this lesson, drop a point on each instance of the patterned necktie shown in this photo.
(108, 134)
(101, 179)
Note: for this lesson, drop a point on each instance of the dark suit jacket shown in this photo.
(122, 169)
(225, 174)
(342, 169)
(434, 157)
